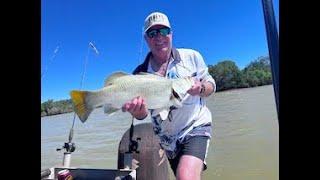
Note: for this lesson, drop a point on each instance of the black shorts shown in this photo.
(196, 146)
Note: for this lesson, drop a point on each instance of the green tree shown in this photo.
(226, 74)
(47, 105)
(258, 72)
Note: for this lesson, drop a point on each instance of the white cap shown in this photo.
(156, 18)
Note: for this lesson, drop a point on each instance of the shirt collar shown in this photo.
(175, 54)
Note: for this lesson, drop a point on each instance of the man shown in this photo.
(186, 133)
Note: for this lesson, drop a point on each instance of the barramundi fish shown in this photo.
(159, 93)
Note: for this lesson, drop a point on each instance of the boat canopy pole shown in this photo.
(273, 46)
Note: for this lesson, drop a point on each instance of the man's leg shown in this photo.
(189, 163)
(189, 167)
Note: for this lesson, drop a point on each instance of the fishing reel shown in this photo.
(69, 147)
(133, 145)
(128, 161)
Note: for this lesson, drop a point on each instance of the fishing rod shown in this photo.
(70, 146)
(133, 144)
(273, 46)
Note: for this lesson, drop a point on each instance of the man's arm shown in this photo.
(202, 89)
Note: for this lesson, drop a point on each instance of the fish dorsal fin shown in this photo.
(151, 75)
(113, 77)
(143, 73)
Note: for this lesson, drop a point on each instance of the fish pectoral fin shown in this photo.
(78, 100)
(113, 77)
(109, 110)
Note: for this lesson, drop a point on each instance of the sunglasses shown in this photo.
(163, 31)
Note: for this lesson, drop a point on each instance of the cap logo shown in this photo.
(156, 18)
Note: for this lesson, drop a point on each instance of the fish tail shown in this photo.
(79, 102)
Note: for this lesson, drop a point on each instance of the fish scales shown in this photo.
(158, 92)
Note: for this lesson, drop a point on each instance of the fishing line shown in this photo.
(139, 61)
(141, 46)
(50, 61)
(70, 147)
(81, 86)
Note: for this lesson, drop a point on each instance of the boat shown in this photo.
(139, 157)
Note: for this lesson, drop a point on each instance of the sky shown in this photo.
(219, 29)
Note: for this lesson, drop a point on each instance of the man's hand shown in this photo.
(196, 88)
(137, 108)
